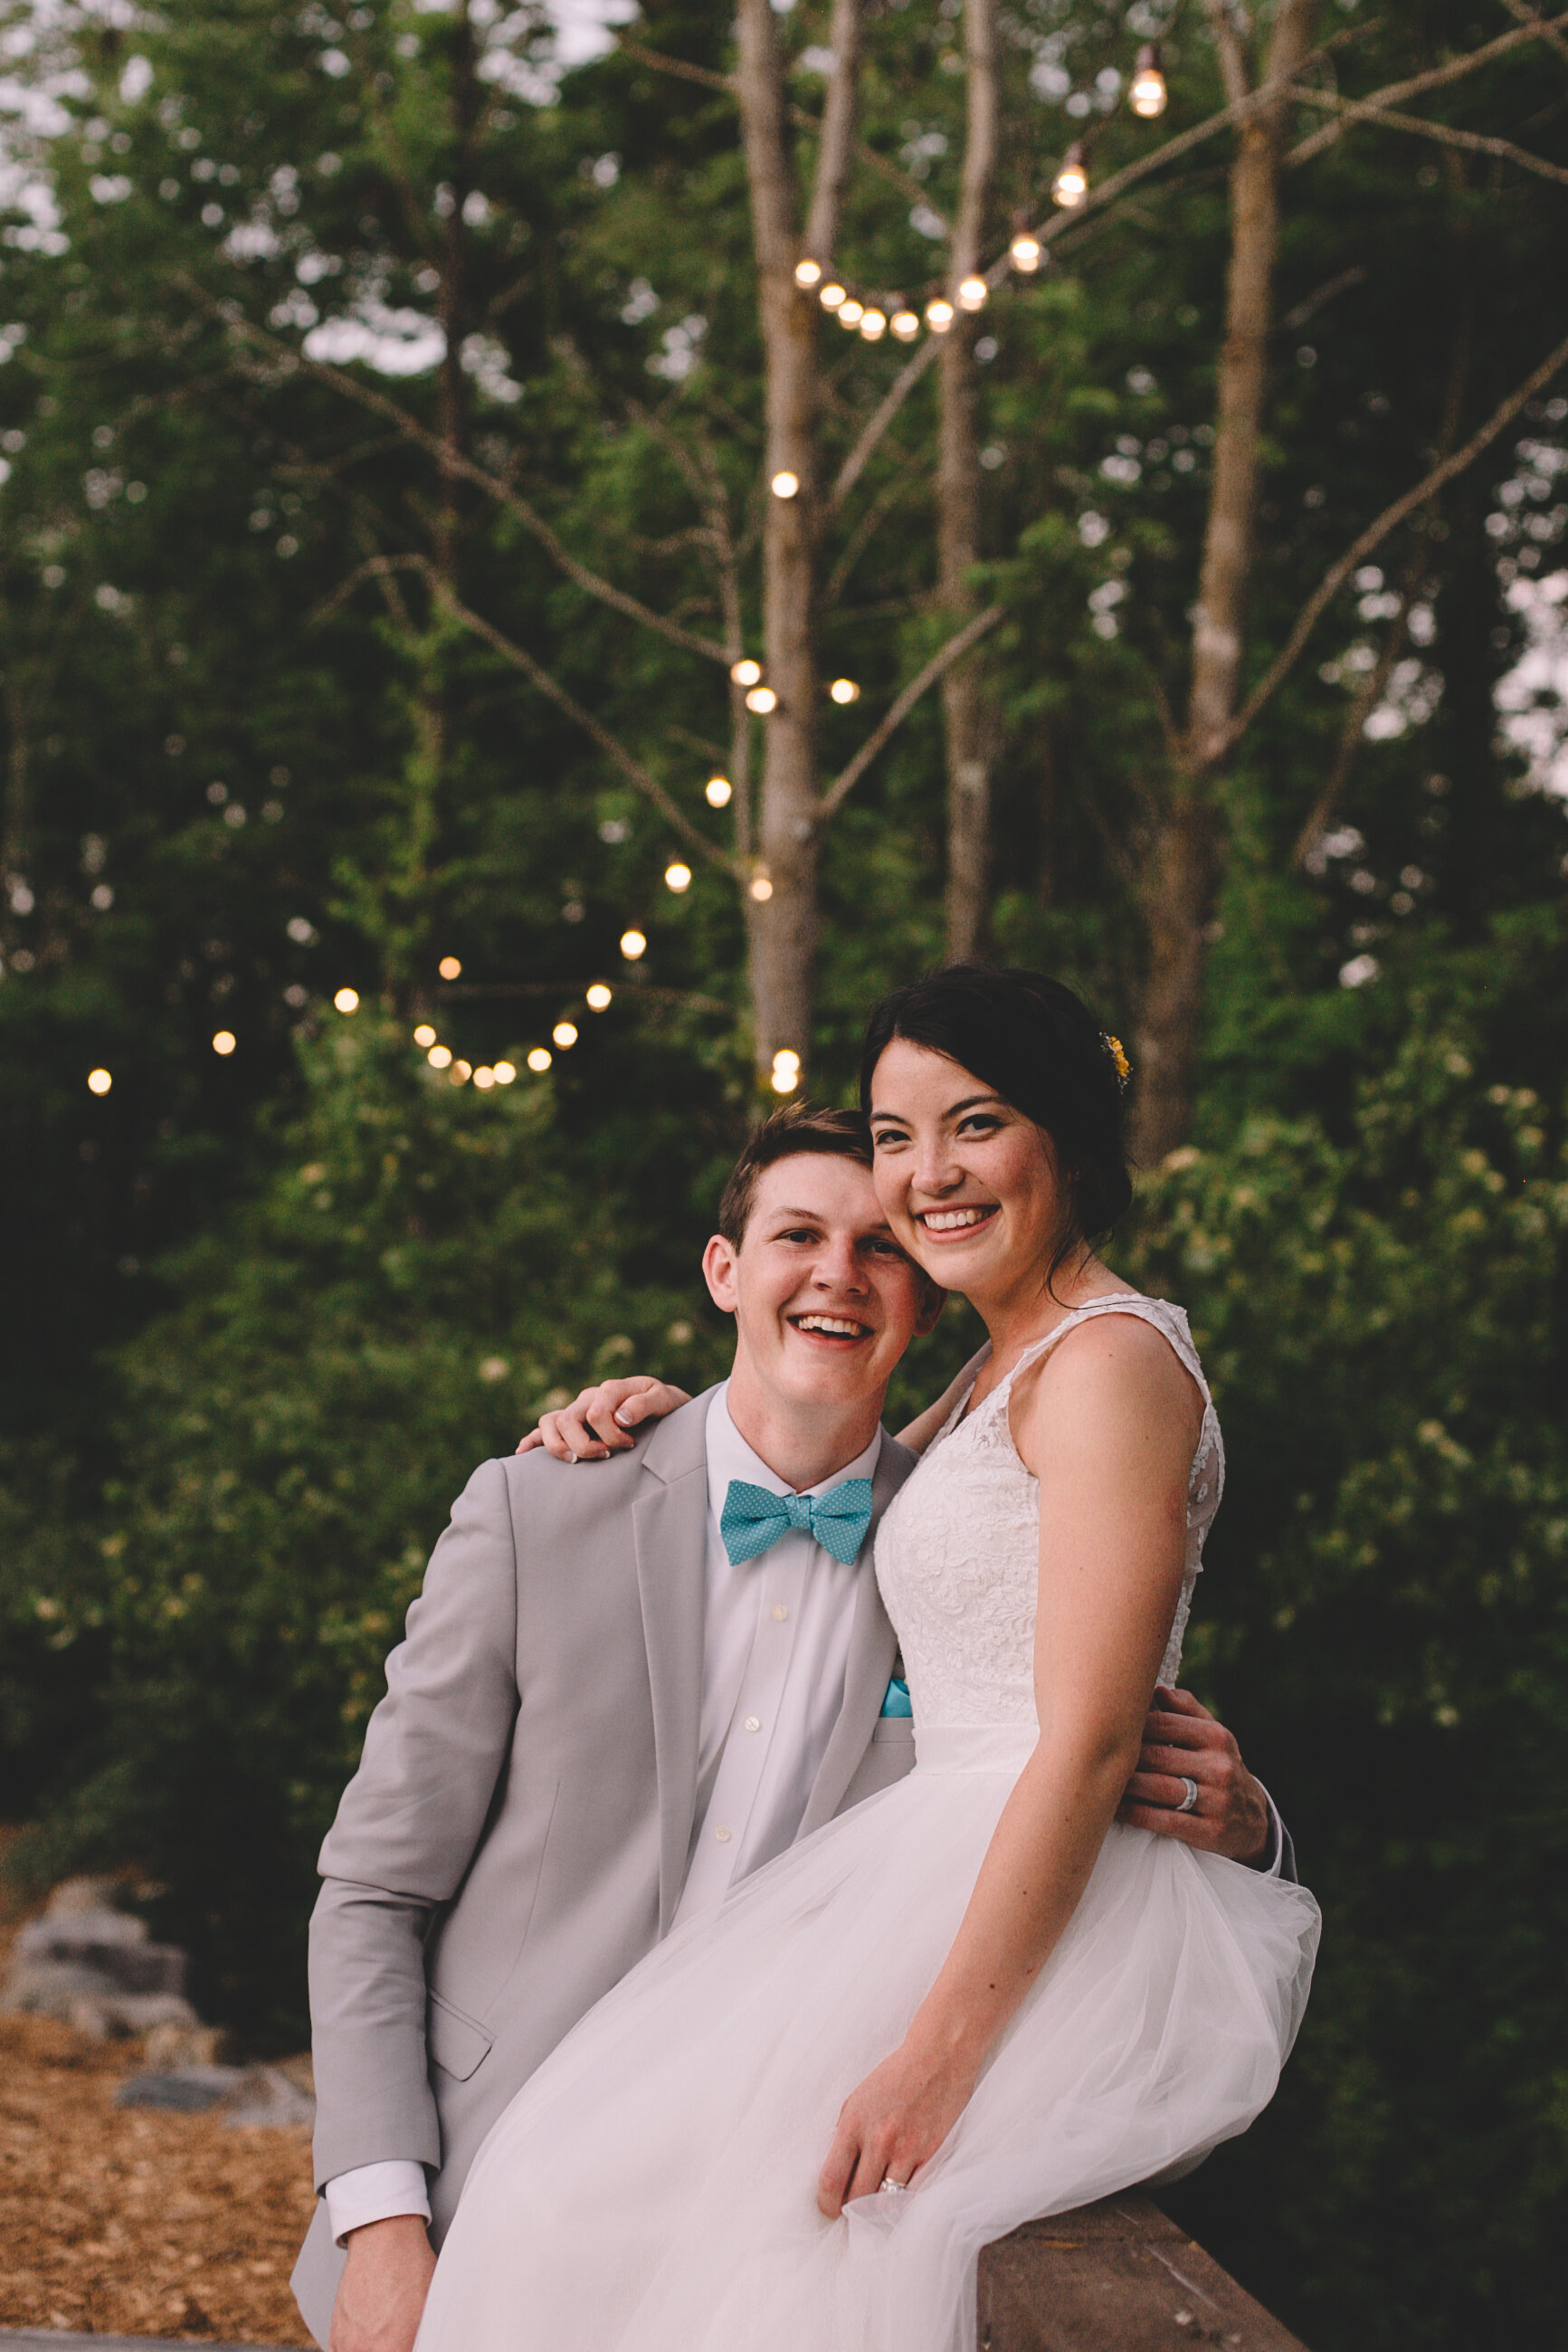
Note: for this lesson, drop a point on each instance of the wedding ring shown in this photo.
(1189, 1799)
(894, 2188)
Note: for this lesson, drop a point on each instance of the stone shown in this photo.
(174, 2044)
(180, 2090)
(276, 2098)
(95, 1967)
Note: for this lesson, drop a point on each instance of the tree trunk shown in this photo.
(971, 717)
(1183, 868)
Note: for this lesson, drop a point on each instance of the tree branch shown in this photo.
(836, 141)
(1475, 142)
(1439, 77)
(940, 662)
(888, 408)
(1527, 15)
(1370, 537)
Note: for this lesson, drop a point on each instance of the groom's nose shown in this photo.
(837, 1265)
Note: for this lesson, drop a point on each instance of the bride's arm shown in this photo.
(1108, 1426)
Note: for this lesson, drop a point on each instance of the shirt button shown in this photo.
(781, 1613)
(754, 1722)
(722, 1834)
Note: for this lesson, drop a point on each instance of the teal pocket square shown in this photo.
(897, 1700)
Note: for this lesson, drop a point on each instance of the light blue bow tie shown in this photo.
(752, 1518)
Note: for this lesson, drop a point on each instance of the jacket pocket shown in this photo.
(456, 2044)
(899, 1728)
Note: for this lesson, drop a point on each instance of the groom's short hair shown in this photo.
(799, 1127)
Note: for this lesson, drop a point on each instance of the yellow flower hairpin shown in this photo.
(1118, 1055)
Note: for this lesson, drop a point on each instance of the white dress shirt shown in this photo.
(776, 1641)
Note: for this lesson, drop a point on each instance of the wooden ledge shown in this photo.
(1115, 2277)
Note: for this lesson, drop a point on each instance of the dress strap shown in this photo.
(1168, 1319)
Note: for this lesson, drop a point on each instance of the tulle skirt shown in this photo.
(653, 2186)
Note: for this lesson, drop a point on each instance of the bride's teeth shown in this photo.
(948, 1221)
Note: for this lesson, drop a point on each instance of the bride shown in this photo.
(977, 1998)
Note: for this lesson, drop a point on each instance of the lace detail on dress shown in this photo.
(958, 1554)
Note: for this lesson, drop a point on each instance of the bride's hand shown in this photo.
(599, 1421)
(895, 2123)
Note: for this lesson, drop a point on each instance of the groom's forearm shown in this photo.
(368, 1999)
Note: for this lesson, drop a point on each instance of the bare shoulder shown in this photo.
(1114, 1378)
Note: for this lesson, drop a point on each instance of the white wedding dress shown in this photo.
(653, 2186)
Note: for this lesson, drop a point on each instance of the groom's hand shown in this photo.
(381, 2295)
(1183, 1742)
(599, 1421)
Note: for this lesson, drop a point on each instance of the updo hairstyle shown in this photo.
(1039, 1046)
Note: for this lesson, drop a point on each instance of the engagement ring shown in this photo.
(894, 2188)
(1189, 1800)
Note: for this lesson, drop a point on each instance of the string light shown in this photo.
(99, 1082)
(786, 1071)
(347, 1000)
(746, 673)
(832, 294)
(938, 315)
(633, 945)
(1147, 95)
(539, 1059)
(973, 293)
(761, 888)
(906, 325)
(504, 1073)
(564, 1033)
(425, 1035)
(599, 997)
(785, 484)
(717, 791)
(807, 272)
(874, 326)
(762, 700)
(440, 1058)
(844, 689)
(449, 968)
(1070, 184)
(852, 312)
(677, 877)
(484, 1079)
(1026, 252)
(225, 1041)
(460, 1074)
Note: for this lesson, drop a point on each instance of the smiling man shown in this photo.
(620, 1692)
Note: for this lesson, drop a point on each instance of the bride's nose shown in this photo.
(936, 1172)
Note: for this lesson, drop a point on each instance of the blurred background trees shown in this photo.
(390, 409)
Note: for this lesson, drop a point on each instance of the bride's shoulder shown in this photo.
(1114, 1369)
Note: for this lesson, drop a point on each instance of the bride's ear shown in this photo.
(718, 1273)
(932, 1302)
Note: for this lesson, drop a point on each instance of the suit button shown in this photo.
(721, 1834)
(781, 1613)
(754, 1722)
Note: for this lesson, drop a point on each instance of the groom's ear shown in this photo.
(718, 1273)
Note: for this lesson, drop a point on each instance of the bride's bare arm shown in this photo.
(1108, 1425)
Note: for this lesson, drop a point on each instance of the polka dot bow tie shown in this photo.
(752, 1520)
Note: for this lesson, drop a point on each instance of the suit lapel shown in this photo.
(872, 1648)
(669, 1520)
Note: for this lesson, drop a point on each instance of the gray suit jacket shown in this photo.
(516, 1836)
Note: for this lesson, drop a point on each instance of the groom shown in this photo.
(618, 1694)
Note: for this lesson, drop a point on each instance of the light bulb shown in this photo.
(852, 312)
(785, 484)
(1025, 251)
(460, 1074)
(347, 1000)
(225, 1041)
(425, 1035)
(785, 1058)
(633, 945)
(746, 673)
(677, 877)
(564, 1033)
(1070, 184)
(807, 272)
(844, 689)
(906, 325)
(99, 1082)
(938, 315)
(874, 326)
(973, 293)
(1147, 95)
(599, 997)
(717, 791)
(449, 968)
(762, 700)
(539, 1058)
(761, 888)
(440, 1058)
(504, 1073)
(484, 1079)
(832, 294)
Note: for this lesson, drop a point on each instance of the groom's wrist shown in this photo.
(394, 2190)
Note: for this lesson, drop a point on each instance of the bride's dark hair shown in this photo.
(1039, 1048)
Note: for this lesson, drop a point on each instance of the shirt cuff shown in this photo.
(1271, 1861)
(374, 2192)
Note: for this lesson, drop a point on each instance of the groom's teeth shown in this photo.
(947, 1221)
(840, 1328)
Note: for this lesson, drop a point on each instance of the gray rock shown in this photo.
(95, 1967)
(180, 2090)
(272, 2097)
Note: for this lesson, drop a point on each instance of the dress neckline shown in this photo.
(960, 1413)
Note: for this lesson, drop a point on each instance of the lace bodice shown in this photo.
(958, 1554)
